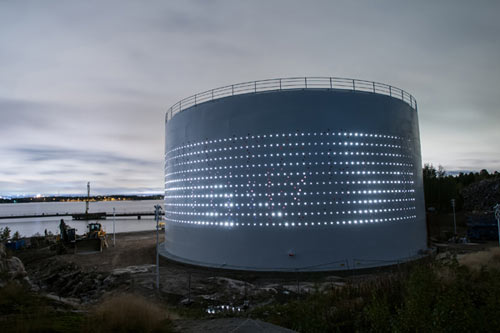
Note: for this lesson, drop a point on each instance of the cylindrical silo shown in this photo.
(294, 174)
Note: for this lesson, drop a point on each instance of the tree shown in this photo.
(16, 236)
(441, 173)
(429, 172)
(4, 234)
(483, 174)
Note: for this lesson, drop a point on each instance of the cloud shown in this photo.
(53, 153)
(85, 85)
(17, 113)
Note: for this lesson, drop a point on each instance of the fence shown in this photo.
(294, 83)
(233, 291)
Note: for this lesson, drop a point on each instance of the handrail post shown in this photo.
(353, 85)
(390, 91)
(212, 94)
(194, 99)
(331, 87)
(180, 105)
(402, 95)
(280, 84)
(373, 87)
(255, 85)
(305, 81)
(232, 90)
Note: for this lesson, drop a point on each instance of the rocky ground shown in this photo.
(82, 280)
(130, 266)
(12, 270)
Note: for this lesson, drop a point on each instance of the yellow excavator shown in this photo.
(93, 240)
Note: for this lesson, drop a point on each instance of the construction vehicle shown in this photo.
(93, 240)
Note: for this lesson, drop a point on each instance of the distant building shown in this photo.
(294, 174)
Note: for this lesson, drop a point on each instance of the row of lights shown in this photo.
(279, 204)
(241, 195)
(299, 214)
(302, 183)
(278, 135)
(215, 159)
(284, 174)
(284, 145)
(345, 164)
(295, 224)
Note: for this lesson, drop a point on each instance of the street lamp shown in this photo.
(114, 218)
(454, 218)
(157, 218)
(497, 216)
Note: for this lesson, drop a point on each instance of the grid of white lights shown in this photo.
(360, 174)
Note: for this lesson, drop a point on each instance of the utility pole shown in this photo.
(114, 217)
(497, 216)
(157, 218)
(454, 218)
(88, 198)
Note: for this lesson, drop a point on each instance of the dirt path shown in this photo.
(131, 249)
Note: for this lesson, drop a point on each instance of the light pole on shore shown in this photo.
(114, 240)
(454, 218)
(157, 218)
(497, 216)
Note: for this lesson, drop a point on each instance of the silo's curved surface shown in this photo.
(304, 179)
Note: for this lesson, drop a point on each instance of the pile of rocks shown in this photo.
(482, 195)
(12, 269)
(69, 280)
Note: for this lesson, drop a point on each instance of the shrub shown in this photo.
(128, 313)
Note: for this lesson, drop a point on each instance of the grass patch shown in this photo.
(24, 311)
(477, 260)
(444, 297)
(129, 313)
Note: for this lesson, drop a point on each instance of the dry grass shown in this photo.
(129, 313)
(477, 260)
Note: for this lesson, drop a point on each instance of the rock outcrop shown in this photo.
(12, 269)
(69, 280)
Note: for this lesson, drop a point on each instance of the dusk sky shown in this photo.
(84, 85)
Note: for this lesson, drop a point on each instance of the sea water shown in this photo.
(31, 226)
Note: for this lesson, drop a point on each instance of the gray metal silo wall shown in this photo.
(294, 180)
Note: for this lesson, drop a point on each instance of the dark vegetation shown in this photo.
(25, 311)
(440, 187)
(128, 313)
(429, 297)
